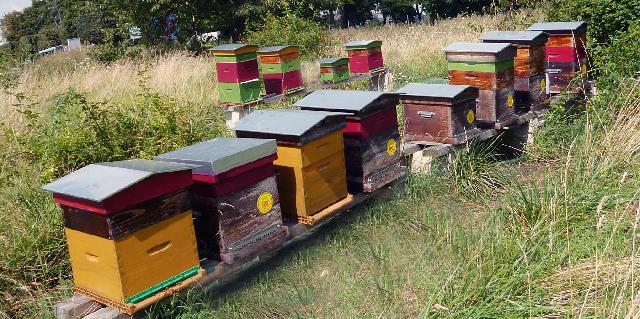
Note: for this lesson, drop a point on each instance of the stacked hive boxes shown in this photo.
(235, 196)
(438, 113)
(237, 70)
(371, 135)
(530, 81)
(566, 52)
(310, 164)
(489, 67)
(129, 228)
(280, 67)
(334, 70)
(365, 57)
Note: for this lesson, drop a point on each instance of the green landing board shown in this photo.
(239, 92)
(335, 77)
(157, 288)
(480, 66)
(236, 58)
(280, 67)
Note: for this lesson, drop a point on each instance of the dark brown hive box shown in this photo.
(529, 66)
(489, 67)
(372, 141)
(236, 201)
(439, 113)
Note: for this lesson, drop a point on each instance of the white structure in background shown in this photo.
(135, 33)
(209, 36)
(73, 44)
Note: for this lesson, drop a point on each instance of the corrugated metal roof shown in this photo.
(97, 182)
(433, 90)
(283, 122)
(553, 27)
(276, 48)
(341, 100)
(333, 60)
(232, 47)
(221, 154)
(517, 37)
(472, 47)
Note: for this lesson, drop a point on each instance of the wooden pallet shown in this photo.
(504, 123)
(229, 106)
(215, 273)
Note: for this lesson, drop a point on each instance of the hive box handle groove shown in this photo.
(159, 248)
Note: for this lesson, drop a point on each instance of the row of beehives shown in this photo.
(136, 227)
(238, 71)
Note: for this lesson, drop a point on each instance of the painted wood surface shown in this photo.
(120, 269)
(312, 152)
(436, 121)
(567, 40)
(365, 64)
(482, 80)
(247, 217)
(496, 105)
(529, 61)
(366, 157)
(280, 68)
(364, 52)
(236, 58)
(563, 55)
(530, 92)
(480, 66)
(229, 72)
(274, 59)
(277, 83)
(372, 124)
(239, 92)
(116, 226)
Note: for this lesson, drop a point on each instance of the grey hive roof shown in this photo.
(97, 182)
(464, 47)
(364, 43)
(275, 48)
(283, 122)
(232, 47)
(434, 90)
(515, 37)
(221, 154)
(559, 27)
(327, 61)
(350, 101)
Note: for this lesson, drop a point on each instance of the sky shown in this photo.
(11, 5)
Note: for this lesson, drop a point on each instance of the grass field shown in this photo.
(542, 236)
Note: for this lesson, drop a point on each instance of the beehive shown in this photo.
(439, 113)
(371, 135)
(489, 67)
(334, 70)
(237, 72)
(529, 66)
(280, 67)
(235, 196)
(365, 57)
(117, 266)
(310, 164)
(566, 52)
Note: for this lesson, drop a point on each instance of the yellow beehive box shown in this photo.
(119, 270)
(310, 165)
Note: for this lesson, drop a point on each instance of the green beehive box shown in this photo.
(333, 62)
(493, 67)
(236, 58)
(280, 67)
(239, 92)
(335, 76)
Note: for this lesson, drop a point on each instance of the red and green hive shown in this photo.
(334, 70)
(237, 72)
(280, 66)
(365, 57)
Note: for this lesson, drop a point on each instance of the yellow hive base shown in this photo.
(130, 309)
(327, 212)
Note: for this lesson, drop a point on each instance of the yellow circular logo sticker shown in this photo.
(471, 117)
(584, 69)
(265, 202)
(510, 101)
(543, 84)
(392, 147)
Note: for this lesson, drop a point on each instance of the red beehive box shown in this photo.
(235, 196)
(236, 72)
(282, 82)
(371, 136)
(365, 56)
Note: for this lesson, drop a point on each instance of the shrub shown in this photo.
(75, 131)
(289, 29)
(622, 57)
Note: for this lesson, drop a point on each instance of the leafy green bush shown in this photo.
(605, 18)
(289, 29)
(622, 57)
(75, 131)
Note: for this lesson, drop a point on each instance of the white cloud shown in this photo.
(12, 5)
